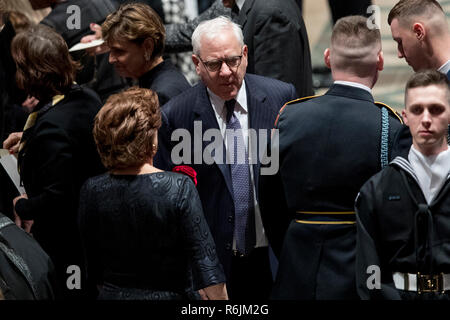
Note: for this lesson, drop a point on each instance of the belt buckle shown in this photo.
(429, 283)
(236, 253)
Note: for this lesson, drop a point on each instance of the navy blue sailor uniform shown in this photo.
(402, 241)
(328, 147)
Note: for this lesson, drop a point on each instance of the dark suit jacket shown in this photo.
(329, 146)
(277, 42)
(58, 156)
(264, 97)
(166, 80)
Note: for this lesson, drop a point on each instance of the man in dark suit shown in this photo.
(224, 105)
(278, 45)
(328, 146)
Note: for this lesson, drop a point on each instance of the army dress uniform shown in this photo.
(328, 147)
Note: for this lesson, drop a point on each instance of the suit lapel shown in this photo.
(242, 18)
(204, 112)
(261, 116)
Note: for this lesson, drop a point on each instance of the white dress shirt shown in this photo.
(445, 68)
(354, 84)
(431, 171)
(241, 113)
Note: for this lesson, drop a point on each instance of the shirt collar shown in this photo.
(240, 3)
(445, 68)
(219, 104)
(354, 84)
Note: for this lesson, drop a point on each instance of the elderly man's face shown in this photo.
(427, 114)
(228, 3)
(227, 80)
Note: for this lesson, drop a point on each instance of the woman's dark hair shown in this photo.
(44, 65)
(125, 127)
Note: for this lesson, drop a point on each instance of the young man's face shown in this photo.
(408, 46)
(427, 114)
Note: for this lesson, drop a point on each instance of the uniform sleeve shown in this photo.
(198, 241)
(53, 168)
(373, 279)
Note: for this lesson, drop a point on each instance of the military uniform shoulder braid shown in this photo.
(293, 102)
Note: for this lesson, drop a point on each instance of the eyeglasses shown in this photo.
(215, 65)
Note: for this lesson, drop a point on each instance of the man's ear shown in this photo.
(380, 61)
(419, 31)
(196, 62)
(148, 47)
(326, 57)
(405, 117)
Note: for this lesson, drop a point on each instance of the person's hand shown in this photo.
(24, 224)
(12, 143)
(29, 103)
(91, 37)
(215, 292)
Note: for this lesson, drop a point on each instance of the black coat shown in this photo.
(278, 46)
(328, 147)
(386, 228)
(26, 271)
(166, 80)
(59, 154)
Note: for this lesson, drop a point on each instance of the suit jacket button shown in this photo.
(228, 246)
(230, 219)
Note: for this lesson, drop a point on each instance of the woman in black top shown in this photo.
(135, 36)
(144, 232)
(57, 150)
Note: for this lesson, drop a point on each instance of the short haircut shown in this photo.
(212, 28)
(406, 9)
(427, 78)
(125, 127)
(44, 65)
(355, 46)
(135, 22)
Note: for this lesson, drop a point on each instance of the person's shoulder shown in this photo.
(293, 106)
(270, 85)
(184, 101)
(391, 112)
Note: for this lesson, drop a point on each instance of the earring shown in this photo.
(146, 56)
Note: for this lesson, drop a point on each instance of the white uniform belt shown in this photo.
(421, 282)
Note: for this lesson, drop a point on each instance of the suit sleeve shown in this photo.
(276, 55)
(373, 279)
(53, 164)
(162, 159)
(272, 201)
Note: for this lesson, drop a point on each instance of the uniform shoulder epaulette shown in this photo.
(293, 102)
(390, 110)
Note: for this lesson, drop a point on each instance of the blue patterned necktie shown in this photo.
(244, 223)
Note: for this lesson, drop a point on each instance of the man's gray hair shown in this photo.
(212, 28)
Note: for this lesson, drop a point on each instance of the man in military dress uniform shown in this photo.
(403, 212)
(328, 147)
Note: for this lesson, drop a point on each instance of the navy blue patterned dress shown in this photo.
(145, 237)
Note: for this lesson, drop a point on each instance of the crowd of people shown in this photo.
(141, 186)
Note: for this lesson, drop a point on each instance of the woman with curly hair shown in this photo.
(144, 233)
